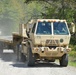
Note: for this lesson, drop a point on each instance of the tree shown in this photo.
(11, 14)
(62, 9)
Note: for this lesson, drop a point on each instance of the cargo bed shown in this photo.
(6, 39)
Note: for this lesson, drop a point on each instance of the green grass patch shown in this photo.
(72, 58)
(71, 63)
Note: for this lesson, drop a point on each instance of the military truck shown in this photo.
(42, 39)
(46, 40)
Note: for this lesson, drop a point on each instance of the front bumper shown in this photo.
(47, 52)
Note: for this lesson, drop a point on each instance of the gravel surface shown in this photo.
(10, 66)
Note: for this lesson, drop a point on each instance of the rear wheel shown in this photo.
(30, 58)
(64, 60)
(20, 56)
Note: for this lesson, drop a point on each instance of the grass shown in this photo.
(72, 63)
(72, 58)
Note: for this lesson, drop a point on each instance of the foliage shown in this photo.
(62, 9)
(33, 10)
(11, 14)
(72, 58)
(72, 53)
(17, 10)
(20, 11)
(73, 40)
(12, 9)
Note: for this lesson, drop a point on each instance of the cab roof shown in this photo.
(51, 20)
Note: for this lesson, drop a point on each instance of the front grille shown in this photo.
(52, 42)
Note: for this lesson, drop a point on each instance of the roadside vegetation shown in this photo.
(72, 58)
(72, 54)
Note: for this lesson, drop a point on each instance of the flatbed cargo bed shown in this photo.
(6, 39)
(9, 39)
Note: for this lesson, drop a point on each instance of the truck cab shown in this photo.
(48, 32)
(49, 40)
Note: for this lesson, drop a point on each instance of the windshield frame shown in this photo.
(51, 30)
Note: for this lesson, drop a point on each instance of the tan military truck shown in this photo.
(42, 39)
(45, 39)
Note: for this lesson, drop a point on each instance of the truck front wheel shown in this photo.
(64, 60)
(30, 58)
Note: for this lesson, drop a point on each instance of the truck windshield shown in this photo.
(44, 28)
(60, 28)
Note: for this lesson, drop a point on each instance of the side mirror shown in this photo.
(73, 27)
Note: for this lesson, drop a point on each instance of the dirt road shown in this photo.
(10, 66)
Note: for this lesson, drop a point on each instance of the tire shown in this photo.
(30, 58)
(22, 57)
(64, 60)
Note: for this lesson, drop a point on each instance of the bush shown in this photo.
(73, 47)
(73, 39)
(72, 53)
